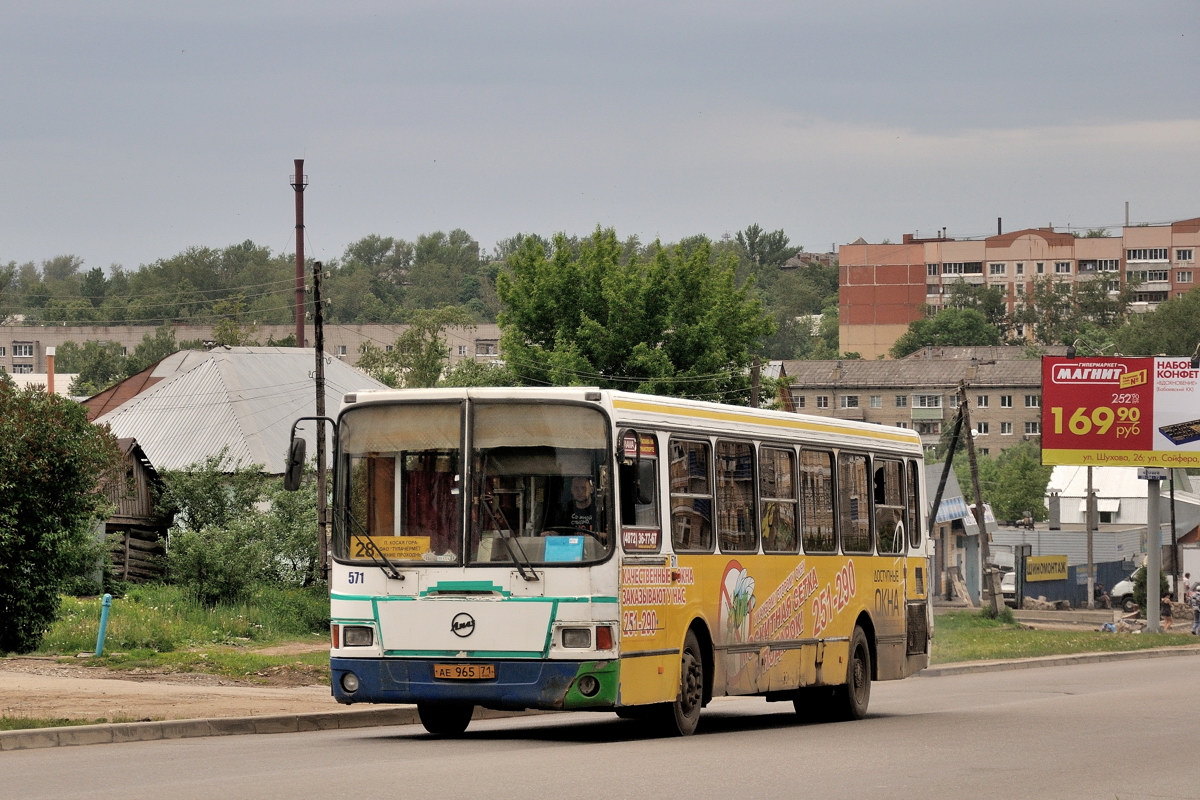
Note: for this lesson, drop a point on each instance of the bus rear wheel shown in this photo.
(850, 700)
(445, 719)
(845, 702)
(681, 717)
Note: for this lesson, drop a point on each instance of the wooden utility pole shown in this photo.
(322, 504)
(991, 580)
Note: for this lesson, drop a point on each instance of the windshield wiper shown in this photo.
(375, 554)
(500, 523)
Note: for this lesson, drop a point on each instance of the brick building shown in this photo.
(1003, 384)
(23, 347)
(884, 287)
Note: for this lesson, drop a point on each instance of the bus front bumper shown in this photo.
(515, 685)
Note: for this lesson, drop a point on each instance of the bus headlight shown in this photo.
(577, 638)
(350, 683)
(358, 635)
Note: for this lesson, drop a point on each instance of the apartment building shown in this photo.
(23, 347)
(884, 287)
(1003, 386)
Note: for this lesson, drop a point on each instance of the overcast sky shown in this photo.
(133, 130)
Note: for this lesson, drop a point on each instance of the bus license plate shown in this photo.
(464, 672)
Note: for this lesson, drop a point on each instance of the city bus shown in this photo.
(584, 549)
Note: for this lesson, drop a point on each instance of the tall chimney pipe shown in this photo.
(49, 370)
(299, 181)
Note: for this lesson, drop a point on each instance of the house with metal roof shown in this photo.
(192, 404)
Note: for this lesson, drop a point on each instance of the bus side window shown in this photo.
(691, 496)
(639, 494)
(915, 534)
(777, 488)
(889, 505)
(737, 517)
(817, 501)
(854, 503)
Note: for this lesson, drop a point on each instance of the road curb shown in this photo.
(119, 732)
(967, 667)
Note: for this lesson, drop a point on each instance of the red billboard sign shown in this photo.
(1117, 411)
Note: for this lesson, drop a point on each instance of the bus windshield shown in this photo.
(541, 489)
(538, 489)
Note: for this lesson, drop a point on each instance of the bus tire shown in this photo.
(850, 700)
(445, 719)
(681, 717)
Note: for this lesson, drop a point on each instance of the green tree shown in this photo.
(764, 249)
(233, 329)
(52, 464)
(950, 327)
(214, 548)
(97, 365)
(93, 286)
(670, 321)
(1172, 328)
(212, 493)
(151, 350)
(419, 356)
(1020, 483)
(1056, 310)
(477, 373)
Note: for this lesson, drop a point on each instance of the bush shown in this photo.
(216, 565)
(52, 461)
(1139, 587)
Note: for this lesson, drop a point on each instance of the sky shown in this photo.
(132, 131)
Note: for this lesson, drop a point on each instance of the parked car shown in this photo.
(1122, 592)
(1008, 588)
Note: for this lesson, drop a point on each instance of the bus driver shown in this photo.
(579, 513)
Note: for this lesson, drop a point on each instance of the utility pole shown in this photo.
(299, 181)
(991, 580)
(322, 504)
(755, 376)
(1091, 528)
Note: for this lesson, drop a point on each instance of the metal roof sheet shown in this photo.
(243, 399)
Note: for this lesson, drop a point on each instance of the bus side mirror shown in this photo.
(294, 468)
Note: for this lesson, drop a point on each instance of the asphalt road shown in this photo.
(1114, 728)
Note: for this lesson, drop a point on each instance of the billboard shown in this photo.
(1120, 412)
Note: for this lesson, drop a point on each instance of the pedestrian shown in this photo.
(1166, 612)
(1194, 602)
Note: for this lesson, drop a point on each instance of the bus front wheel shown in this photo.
(682, 716)
(445, 719)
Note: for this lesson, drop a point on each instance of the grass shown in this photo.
(159, 629)
(165, 619)
(971, 636)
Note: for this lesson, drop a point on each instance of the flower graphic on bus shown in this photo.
(737, 602)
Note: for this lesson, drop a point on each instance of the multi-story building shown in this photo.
(1003, 386)
(23, 347)
(884, 287)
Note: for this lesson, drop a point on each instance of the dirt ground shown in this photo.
(48, 688)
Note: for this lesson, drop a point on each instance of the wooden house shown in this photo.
(137, 530)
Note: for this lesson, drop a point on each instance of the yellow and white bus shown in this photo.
(584, 549)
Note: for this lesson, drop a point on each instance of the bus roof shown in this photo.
(631, 408)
